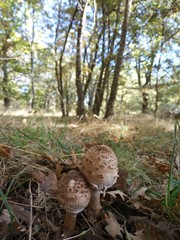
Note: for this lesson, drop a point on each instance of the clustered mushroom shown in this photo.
(99, 169)
(73, 195)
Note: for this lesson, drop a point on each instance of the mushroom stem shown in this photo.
(94, 203)
(69, 222)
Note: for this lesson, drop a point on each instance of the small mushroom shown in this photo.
(99, 166)
(73, 195)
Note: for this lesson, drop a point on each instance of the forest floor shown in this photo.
(143, 204)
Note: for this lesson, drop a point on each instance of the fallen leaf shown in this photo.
(5, 151)
(177, 161)
(138, 236)
(121, 182)
(113, 228)
(59, 169)
(48, 183)
(140, 192)
(47, 157)
(20, 213)
(163, 167)
(5, 217)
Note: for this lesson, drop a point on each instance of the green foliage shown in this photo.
(152, 43)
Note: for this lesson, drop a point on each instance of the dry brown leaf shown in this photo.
(121, 182)
(5, 217)
(20, 213)
(59, 169)
(8, 229)
(113, 228)
(52, 226)
(5, 151)
(47, 157)
(39, 176)
(163, 167)
(48, 183)
(138, 236)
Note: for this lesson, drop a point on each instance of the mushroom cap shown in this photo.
(99, 166)
(73, 192)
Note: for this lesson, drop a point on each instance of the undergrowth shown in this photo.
(133, 139)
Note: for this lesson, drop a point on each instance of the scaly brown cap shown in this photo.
(73, 193)
(99, 166)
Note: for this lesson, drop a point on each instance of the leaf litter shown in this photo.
(131, 211)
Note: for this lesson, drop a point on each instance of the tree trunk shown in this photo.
(98, 94)
(79, 84)
(145, 102)
(32, 97)
(92, 65)
(114, 87)
(58, 66)
(79, 87)
(5, 80)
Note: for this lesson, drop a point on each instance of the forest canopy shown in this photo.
(96, 56)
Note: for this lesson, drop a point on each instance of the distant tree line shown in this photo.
(98, 56)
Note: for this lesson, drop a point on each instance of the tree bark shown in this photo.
(32, 97)
(107, 62)
(79, 84)
(5, 80)
(114, 87)
(79, 87)
(97, 101)
(3, 53)
(145, 102)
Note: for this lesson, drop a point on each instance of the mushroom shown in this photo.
(73, 195)
(99, 166)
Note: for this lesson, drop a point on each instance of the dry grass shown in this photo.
(133, 138)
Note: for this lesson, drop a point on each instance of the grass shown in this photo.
(136, 141)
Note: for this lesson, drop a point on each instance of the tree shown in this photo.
(119, 61)
(58, 65)
(107, 58)
(79, 48)
(9, 26)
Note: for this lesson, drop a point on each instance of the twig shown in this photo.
(31, 214)
(3, 112)
(88, 224)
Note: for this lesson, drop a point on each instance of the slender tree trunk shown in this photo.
(5, 82)
(79, 87)
(3, 53)
(79, 83)
(97, 101)
(145, 102)
(114, 87)
(138, 70)
(58, 66)
(32, 97)
(157, 81)
(92, 65)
